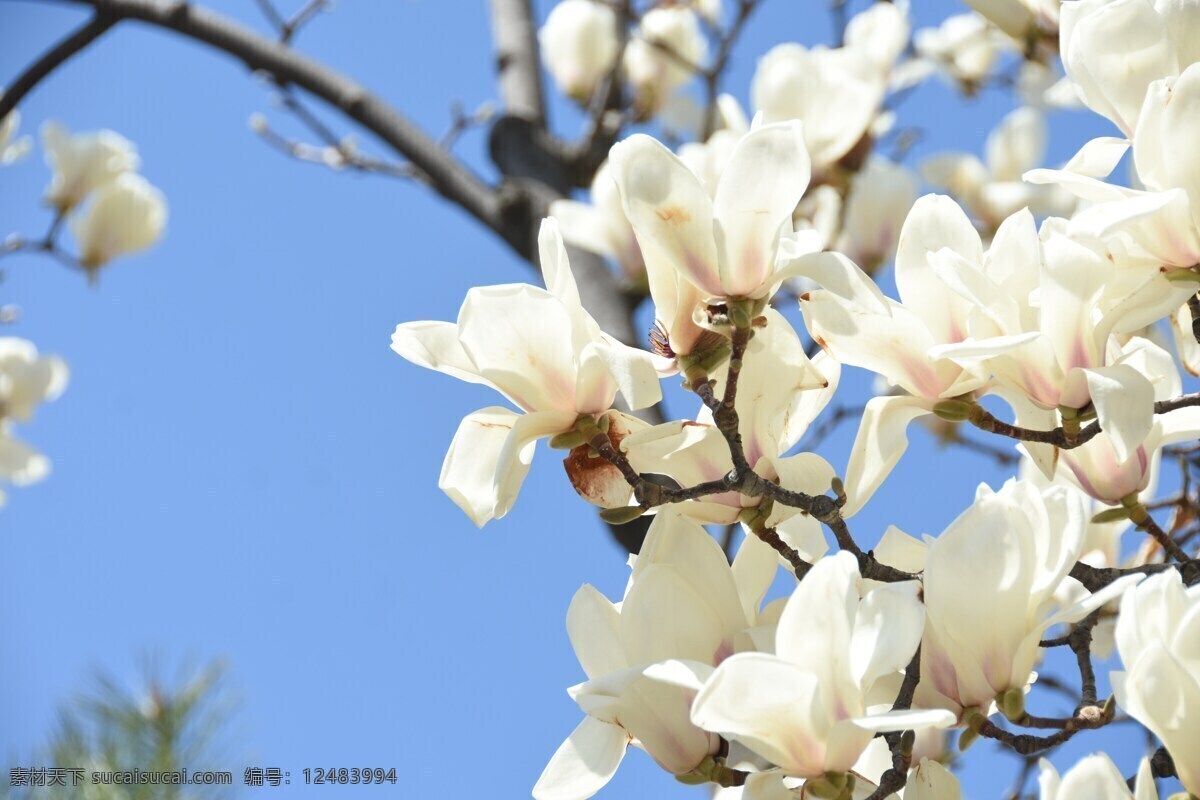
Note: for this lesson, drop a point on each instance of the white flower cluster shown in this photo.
(26, 379)
(111, 209)
(1053, 318)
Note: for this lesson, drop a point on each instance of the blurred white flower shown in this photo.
(83, 162)
(12, 149)
(877, 202)
(964, 48)
(125, 215)
(601, 226)
(1094, 777)
(663, 52)
(579, 45)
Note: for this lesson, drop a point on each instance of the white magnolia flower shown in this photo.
(779, 394)
(1043, 314)
(897, 344)
(663, 53)
(804, 707)
(27, 379)
(20, 464)
(579, 45)
(929, 780)
(993, 189)
(836, 94)
(125, 215)
(83, 162)
(1113, 49)
(736, 244)
(1094, 777)
(601, 226)
(964, 48)
(685, 611)
(990, 582)
(1157, 632)
(12, 149)
(541, 350)
(1160, 224)
(877, 203)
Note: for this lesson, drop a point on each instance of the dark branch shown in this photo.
(52, 59)
(515, 36)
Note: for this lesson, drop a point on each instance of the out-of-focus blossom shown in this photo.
(877, 203)
(83, 162)
(26, 379)
(601, 226)
(12, 149)
(686, 610)
(579, 45)
(124, 216)
(1157, 633)
(1094, 777)
(663, 52)
(993, 189)
(964, 48)
(804, 707)
(543, 352)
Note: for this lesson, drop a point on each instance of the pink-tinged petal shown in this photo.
(1180, 104)
(1159, 222)
(670, 211)
(584, 763)
(1124, 402)
(520, 339)
(759, 189)
(935, 222)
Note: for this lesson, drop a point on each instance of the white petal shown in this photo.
(1124, 402)
(594, 627)
(935, 222)
(1099, 157)
(880, 443)
(584, 763)
(469, 470)
(517, 453)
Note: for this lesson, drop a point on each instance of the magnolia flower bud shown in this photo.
(579, 45)
(83, 162)
(596, 480)
(128, 214)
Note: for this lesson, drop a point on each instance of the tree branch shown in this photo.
(515, 38)
(52, 59)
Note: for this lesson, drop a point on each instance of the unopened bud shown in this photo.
(953, 410)
(1182, 276)
(908, 740)
(1012, 704)
(620, 516)
(966, 739)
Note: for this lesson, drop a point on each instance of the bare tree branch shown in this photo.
(515, 36)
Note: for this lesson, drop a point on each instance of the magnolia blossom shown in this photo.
(1042, 313)
(927, 780)
(1113, 49)
(12, 149)
(83, 162)
(579, 45)
(125, 215)
(896, 343)
(1158, 225)
(992, 189)
(1157, 632)
(1094, 777)
(736, 244)
(26, 379)
(601, 226)
(964, 48)
(990, 582)
(654, 73)
(879, 199)
(836, 93)
(685, 611)
(804, 707)
(542, 351)
(779, 394)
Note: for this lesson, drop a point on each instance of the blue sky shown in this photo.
(242, 468)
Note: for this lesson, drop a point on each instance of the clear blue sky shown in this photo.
(242, 468)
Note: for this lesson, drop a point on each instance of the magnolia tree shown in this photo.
(1052, 309)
